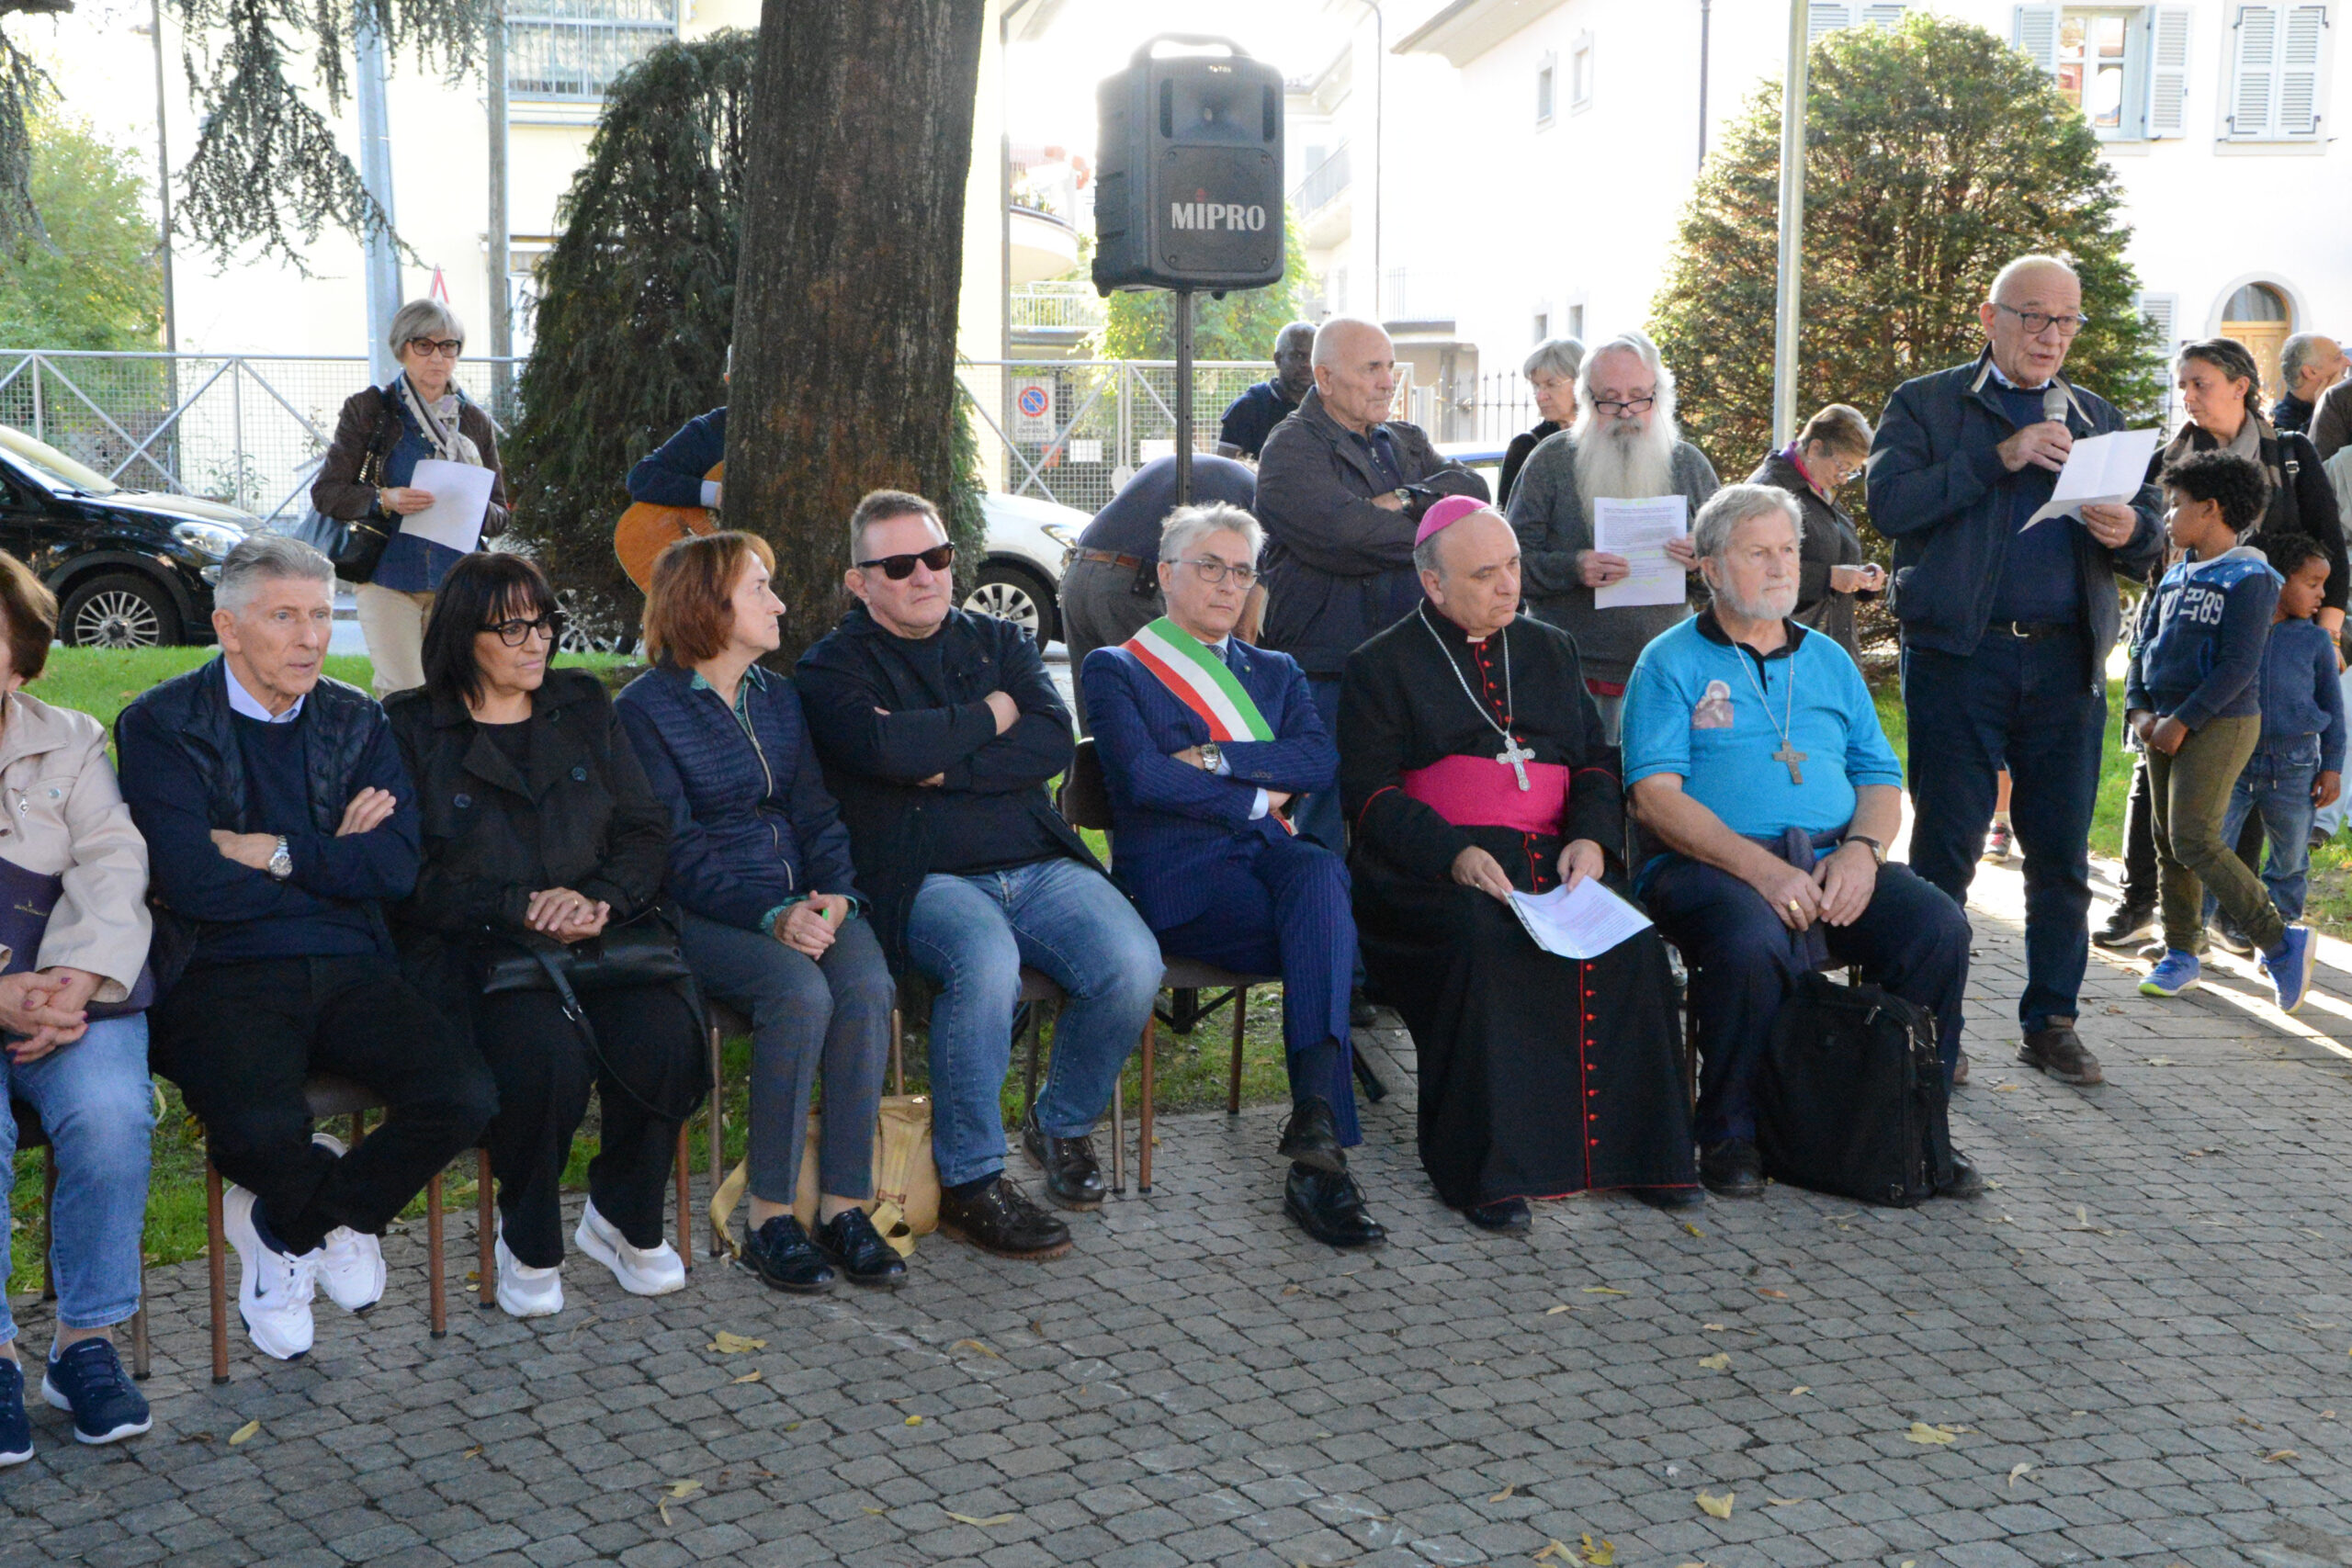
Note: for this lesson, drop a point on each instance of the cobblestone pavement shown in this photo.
(2133, 1351)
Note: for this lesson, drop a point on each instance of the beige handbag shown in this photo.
(906, 1179)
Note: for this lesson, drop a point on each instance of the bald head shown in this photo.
(1355, 371)
(2031, 316)
(2031, 277)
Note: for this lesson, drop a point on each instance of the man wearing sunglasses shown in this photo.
(939, 729)
(2008, 623)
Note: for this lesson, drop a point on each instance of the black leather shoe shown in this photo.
(781, 1254)
(1731, 1168)
(1329, 1206)
(1073, 1180)
(1670, 1197)
(2127, 925)
(1966, 1180)
(1505, 1216)
(1362, 1014)
(852, 1246)
(1000, 1218)
(1312, 1138)
(2060, 1052)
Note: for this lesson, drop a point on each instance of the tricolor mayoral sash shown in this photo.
(1201, 681)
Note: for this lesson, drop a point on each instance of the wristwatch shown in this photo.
(1212, 758)
(1404, 494)
(1878, 851)
(281, 860)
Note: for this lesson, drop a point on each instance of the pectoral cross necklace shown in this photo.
(1514, 755)
(1788, 755)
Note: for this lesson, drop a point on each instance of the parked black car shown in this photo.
(131, 568)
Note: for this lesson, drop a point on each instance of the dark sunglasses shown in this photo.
(897, 569)
(515, 633)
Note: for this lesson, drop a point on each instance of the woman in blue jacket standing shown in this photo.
(759, 863)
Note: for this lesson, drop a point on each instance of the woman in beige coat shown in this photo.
(74, 931)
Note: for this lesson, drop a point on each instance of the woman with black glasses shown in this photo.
(539, 834)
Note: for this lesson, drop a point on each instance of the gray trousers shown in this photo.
(1099, 609)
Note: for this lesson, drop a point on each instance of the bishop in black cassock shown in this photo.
(1472, 761)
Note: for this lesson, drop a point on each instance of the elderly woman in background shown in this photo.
(422, 415)
(76, 1041)
(1551, 371)
(1827, 455)
(539, 831)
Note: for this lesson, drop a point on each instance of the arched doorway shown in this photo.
(2259, 317)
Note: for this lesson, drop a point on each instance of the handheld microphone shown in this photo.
(2053, 402)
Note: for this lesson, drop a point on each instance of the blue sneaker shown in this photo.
(15, 1429)
(88, 1380)
(2289, 966)
(2175, 972)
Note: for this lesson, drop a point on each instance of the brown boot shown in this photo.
(2057, 1050)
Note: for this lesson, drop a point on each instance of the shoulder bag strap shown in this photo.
(551, 961)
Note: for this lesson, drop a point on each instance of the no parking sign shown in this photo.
(1033, 410)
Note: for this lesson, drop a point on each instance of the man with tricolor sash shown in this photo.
(1206, 743)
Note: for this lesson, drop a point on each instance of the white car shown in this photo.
(1030, 541)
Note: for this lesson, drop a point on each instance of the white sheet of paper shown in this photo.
(460, 500)
(1640, 530)
(1585, 923)
(2100, 470)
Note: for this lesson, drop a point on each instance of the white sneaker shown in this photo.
(273, 1289)
(642, 1271)
(525, 1291)
(351, 1264)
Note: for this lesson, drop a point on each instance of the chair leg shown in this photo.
(140, 1362)
(718, 1136)
(436, 1260)
(485, 1234)
(1690, 1051)
(216, 1249)
(1119, 1136)
(1029, 1073)
(358, 1127)
(1240, 1024)
(897, 1051)
(48, 1224)
(1143, 1119)
(683, 1165)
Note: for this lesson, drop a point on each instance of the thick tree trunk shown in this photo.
(844, 375)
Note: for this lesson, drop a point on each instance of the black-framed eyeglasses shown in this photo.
(446, 347)
(897, 569)
(1214, 571)
(515, 633)
(2036, 322)
(1623, 407)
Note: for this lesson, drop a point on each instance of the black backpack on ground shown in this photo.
(1850, 1097)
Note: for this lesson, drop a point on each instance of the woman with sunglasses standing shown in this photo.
(420, 414)
(540, 833)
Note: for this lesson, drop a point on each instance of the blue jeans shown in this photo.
(2276, 782)
(805, 1010)
(971, 935)
(2033, 703)
(97, 1105)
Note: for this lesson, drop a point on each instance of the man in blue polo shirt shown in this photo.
(1755, 761)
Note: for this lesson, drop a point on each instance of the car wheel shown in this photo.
(119, 611)
(589, 628)
(1017, 594)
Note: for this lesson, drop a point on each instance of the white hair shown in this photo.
(422, 318)
(1612, 460)
(267, 557)
(1725, 510)
(1563, 357)
(1334, 328)
(2023, 265)
(1188, 526)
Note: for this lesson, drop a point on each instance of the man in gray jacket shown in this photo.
(1341, 488)
(1624, 446)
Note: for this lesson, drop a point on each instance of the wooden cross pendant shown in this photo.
(1791, 756)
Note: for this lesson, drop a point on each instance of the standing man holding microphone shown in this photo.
(2006, 626)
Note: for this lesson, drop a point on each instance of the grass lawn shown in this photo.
(1191, 1070)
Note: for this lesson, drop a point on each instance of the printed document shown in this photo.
(1640, 530)
(1585, 923)
(460, 500)
(2101, 470)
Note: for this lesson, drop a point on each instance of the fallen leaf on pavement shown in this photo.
(2004, 1089)
(976, 1346)
(1717, 1362)
(250, 1428)
(1801, 1388)
(2275, 1457)
(728, 1344)
(1506, 1491)
(1694, 1230)
(1290, 1290)
(1775, 1295)
(1551, 1551)
(752, 1376)
(1712, 1327)
(664, 1507)
(684, 1488)
(1782, 1502)
(915, 1420)
(2160, 1061)
(991, 1519)
(1601, 1556)
(873, 1510)
(1601, 1290)
(1921, 1432)
(1556, 1311)
(1718, 1507)
(2018, 1472)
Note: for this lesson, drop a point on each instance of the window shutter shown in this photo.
(2258, 67)
(1826, 16)
(2033, 31)
(2168, 71)
(1885, 17)
(2161, 311)
(2298, 57)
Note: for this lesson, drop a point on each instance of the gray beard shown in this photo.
(1778, 604)
(1611, 466)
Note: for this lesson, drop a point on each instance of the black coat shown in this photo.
(1830, 540)
(1515, 457)
(578, 815)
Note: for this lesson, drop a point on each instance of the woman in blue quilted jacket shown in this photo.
(774, 924)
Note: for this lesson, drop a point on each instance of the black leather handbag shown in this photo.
(642, 952)
(357, 547)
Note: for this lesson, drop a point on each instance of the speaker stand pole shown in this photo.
(1183, 397)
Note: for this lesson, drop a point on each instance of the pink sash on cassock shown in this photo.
(1478, 792)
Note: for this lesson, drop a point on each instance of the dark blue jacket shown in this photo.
(2302, 696)
(1937, 489)
(2198, 655)
(751, 828)
(671, 474)
(1251, 417)
(1174, 821)
(184, 775)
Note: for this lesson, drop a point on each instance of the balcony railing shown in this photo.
(1325, 184)
(1416, 294)
(1057, 306)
